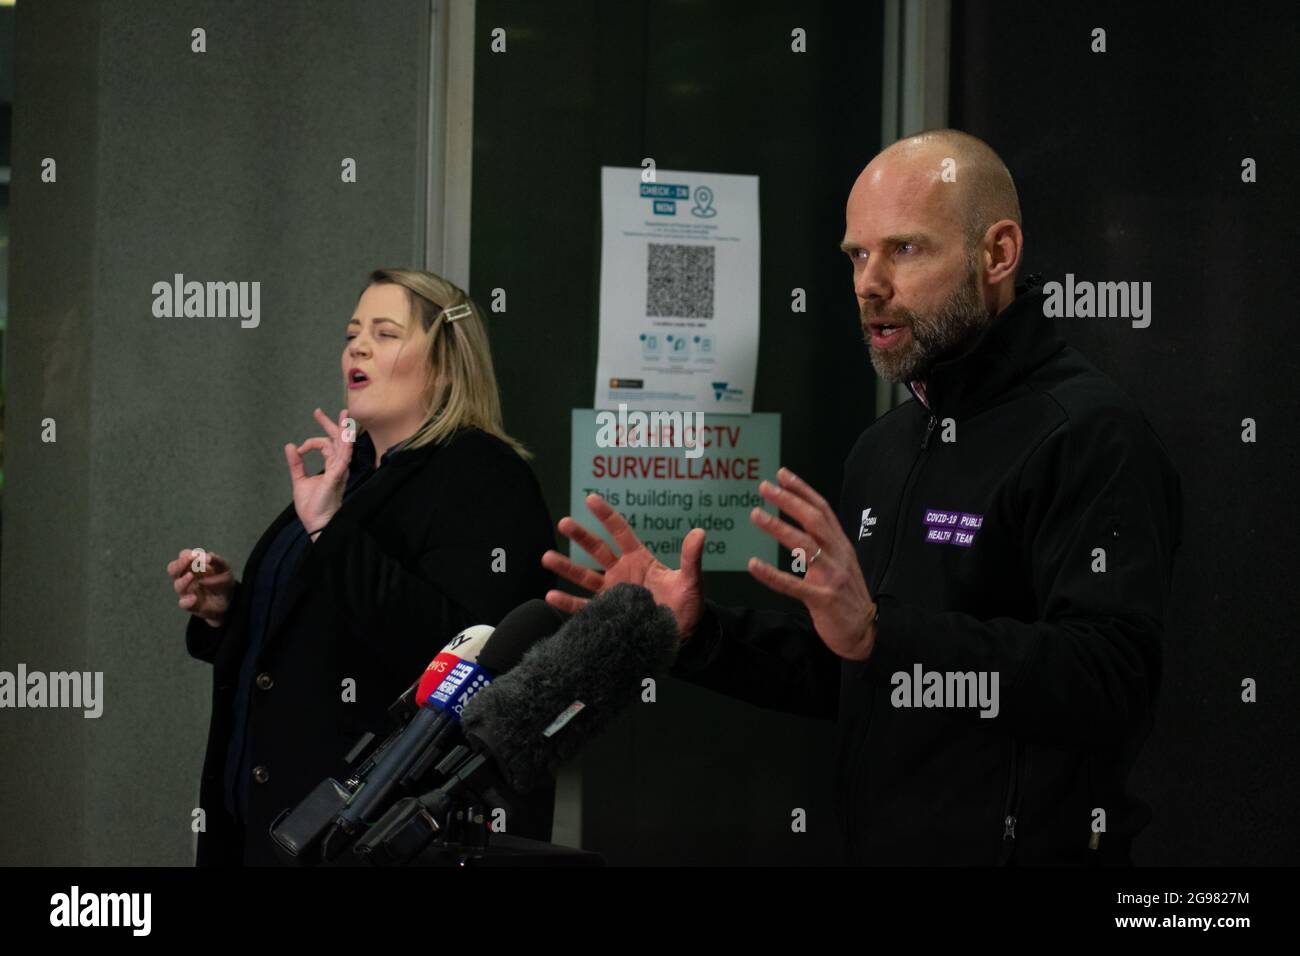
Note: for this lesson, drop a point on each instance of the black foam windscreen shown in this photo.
(592, 668)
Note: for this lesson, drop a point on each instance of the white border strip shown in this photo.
(450, 140)
(914, 96)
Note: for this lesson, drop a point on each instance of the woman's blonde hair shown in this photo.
(462, 388)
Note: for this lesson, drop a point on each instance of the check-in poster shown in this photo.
(678, 291)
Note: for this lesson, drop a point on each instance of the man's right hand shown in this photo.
(205, 594)
(680, 591)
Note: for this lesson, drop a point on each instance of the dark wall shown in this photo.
(693, 778)
(1128, 165)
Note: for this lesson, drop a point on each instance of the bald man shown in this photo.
(982, 616)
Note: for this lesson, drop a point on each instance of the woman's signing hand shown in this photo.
(316, 498)
(204, 593)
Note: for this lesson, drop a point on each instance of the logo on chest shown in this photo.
(957, 528)
(868, 522)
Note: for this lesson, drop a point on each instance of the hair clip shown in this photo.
(456, 312)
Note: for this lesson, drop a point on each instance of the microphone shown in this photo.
(419, 743)
(567, 689)
(464, 646)
(297, 833)
(564, 691)
(329, 817)
(377, 776)
(408, 704)
(519, 630)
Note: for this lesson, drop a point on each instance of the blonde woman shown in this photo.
(428, 519)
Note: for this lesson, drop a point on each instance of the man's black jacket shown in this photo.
(408, 561)
(1062, 512)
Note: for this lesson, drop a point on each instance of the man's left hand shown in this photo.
(832, 588)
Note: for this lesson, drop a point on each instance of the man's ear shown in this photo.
(1004, 251)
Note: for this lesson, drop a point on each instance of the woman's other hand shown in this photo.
(204, 581)
(316, 498)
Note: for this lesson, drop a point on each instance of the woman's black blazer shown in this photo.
(410, 559)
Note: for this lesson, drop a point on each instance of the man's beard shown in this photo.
(942, 334)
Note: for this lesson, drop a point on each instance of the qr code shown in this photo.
(679, 282)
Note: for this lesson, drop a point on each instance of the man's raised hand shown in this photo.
(843, 611)
(680, 591)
